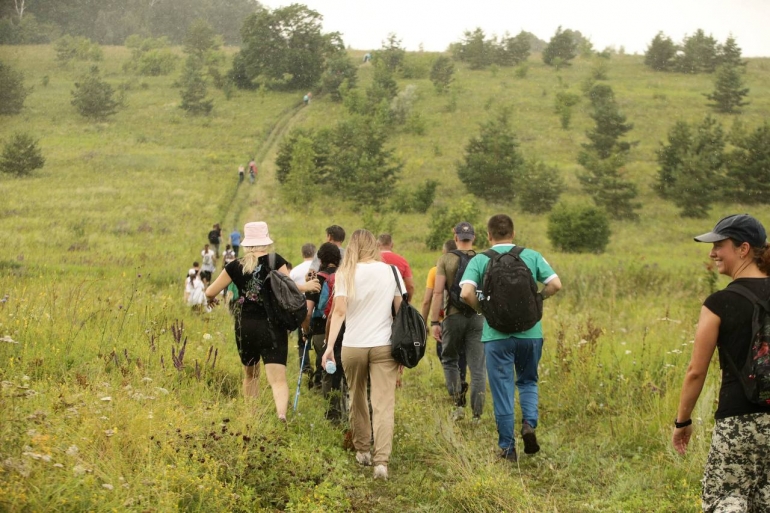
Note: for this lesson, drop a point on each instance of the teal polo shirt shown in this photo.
(540, 269)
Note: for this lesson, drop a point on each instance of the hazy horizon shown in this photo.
(364, 25)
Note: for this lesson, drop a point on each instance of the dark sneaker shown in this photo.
(460, 399)
(530, 439)
(509, 455)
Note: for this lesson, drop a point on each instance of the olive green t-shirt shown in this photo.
(447, 266)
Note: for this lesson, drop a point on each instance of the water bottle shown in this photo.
(331, 368)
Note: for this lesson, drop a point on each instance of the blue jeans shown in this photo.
(503, 356)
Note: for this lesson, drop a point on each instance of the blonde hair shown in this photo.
(362, 247)
(251, 255)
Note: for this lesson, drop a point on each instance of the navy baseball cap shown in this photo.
(739, 227)
(464, 231)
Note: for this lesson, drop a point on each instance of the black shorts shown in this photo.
(257, 339)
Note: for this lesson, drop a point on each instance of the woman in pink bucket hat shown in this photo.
(257, 339)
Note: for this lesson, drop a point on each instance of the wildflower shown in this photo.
(106, 399)
(107, 486)
(72, 451)
(628, 351)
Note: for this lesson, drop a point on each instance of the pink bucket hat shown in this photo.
(256, 234)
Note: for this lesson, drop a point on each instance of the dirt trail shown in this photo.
(246, 197)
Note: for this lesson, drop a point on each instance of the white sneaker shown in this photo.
(364, 458)
(381, 472)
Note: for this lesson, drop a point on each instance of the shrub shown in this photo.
(748, 165)
(12, 90)
(194, 88)
(540, 187)
(340, 75)
(21, 155)
(561, 49)
(442, 73)
(93, 98)
(418, 200)
(156, 63)
(579, 229)
(728, 90)
(77, 48)
(443, 221)
(401, 106)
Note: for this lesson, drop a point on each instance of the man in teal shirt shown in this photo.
(506, 352)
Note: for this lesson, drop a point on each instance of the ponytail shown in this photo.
(762, 258)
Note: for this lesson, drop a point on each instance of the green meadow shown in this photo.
(100, 412)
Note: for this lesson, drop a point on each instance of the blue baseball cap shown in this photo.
(739, 227)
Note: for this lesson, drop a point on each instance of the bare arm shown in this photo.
(337, 318)
(551, 288)
(306, 322)
(426, 300)
(409, 284)
(435, 310)
(703, 349)
(468, 294)
(222, 281)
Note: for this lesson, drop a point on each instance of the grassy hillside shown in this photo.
(95, 416)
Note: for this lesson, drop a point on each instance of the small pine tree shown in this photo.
(200, 39)
(661, 53)
(692, 166)
(579, 229)
(605, 182)
(561, 49)
(475, 49)
(194, 88)
(699, 54)
(444, 219)
(540, 187)
(730, 54)
(492, 161)
(728, 90)
(563, 103)
(93, 98)
(12, 90)
(749, 165)
(610, 123)
(442, 73)
(391, 54)
(21, 155)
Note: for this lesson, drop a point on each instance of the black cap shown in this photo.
(739, 227)
(464, 231)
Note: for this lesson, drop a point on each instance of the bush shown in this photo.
(341, 74)
(21, 156)
(561, 49)
(77, 48)
(194, 88)
(156, 63)
(93, 98)
(579, 229)
(442, 73)
(401, 106)
(418, 200)
(540, 187)
(443, 221)
(12, 90)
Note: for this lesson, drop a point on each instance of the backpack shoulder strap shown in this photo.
(271, 261)
(395, 277)
(744, 291)
(490, 253)
(516, 250)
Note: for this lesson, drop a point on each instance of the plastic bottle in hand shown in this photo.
(331, 368)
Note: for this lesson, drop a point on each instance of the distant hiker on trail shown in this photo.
(257, 338)
(252, 171)
(336, 235)
(319, 308)
(297, 274)
(513, 338)
(235, 241)
(241, 174)
(367, 57)
(385, 242)
(209, 266)
(229, 254)
(733, 322)
(461, 328)
(307, 98)
(196, 268)
(366, 291)
(215, 237)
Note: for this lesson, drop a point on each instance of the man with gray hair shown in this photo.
(299, 271)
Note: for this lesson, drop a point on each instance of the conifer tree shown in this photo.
(561, 49)
(660, 53)
(728, 90)
(194, 88)
(21, 155)
(749, 166)
(93, 98)
(12, 90)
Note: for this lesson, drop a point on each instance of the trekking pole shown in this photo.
(301, 367)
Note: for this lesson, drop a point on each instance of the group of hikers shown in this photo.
(199, 275)
(252, 172)
(354, 292)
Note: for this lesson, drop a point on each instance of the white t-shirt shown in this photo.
(208, 261)
(369, 317)
(298, 273)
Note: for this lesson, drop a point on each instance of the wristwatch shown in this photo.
(435, 323)
(684, 424)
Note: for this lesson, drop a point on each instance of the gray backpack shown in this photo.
(285, 304)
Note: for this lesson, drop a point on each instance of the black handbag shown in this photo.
(408, 334)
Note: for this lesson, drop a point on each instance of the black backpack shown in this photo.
(511, 303)
(408, 333)
(214, 237)
(754, 372)
(455, 289)
(285, 304)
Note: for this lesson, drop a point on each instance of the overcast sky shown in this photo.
(366, 23)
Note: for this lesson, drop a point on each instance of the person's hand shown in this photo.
(311, 275)
(313, 285)
(435, 331)
(681, 438)
(328, 356)
(213, 301)
(400, 375)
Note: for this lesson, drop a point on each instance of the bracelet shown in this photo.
(684, 424)
(435, 323)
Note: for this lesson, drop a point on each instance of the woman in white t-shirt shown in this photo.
(365, 294)
(193, 292)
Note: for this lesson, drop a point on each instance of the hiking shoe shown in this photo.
(460, 398)
(365, 459)
(476, 420)
(509, 455)
(380, 472)
(530, 439)
(458, 413)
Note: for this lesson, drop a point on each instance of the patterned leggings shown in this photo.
(736, 479)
